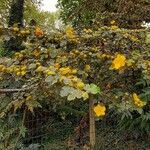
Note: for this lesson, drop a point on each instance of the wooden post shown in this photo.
(92, 124)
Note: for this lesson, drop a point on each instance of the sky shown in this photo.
(49, 5)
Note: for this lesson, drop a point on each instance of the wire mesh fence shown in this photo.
(46, 130)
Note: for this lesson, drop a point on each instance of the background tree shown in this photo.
(127, 13)
(22, 12)
(16, 13)
(5, 6)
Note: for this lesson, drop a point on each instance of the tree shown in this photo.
(5, 6)
(127, 13)
(15, 18)
(21, 11)
(16, 13)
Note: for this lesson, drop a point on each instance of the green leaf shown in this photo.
(92, 88)
(32, 104)
(23, 130)
(139, 110)
(71, 92)
(66, 90)
(71, 97)
(51, 80)
(32, 66)
(78, 93)
(147, 41)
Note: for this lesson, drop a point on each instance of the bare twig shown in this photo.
(12, 90)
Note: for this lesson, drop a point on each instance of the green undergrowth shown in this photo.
(108, 138)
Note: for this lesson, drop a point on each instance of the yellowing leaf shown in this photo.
(39, 32)
(31, 104)
(36, 53)
(17, 104)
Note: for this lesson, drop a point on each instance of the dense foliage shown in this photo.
(127, 13)
(98, 70)
(111, 62)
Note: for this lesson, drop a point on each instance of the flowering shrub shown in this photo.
(72, 65)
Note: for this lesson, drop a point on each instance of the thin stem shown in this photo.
(22, 124)
(12, 90)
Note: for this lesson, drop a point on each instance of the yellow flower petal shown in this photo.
(137, 101)
(80, 85)
(99, 110)
(119, 61)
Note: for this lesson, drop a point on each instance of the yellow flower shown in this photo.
(137, 101)
(135, 97)
(23, 73)
(57, 65)
(70, 33)
(40, 69)
(15, 29)
(112, 22)
(74, 71)
(103, 55)
(23, 32)
(23, 68)
(75, 79)
(65, 70)
(99, 110)
(50, 73)
(62, 78)
(119, 61)
(38, 63)
(16, 69)
(2, 68)
(98, 55)
(80, 85)
(114, 27)
(29, 98)
(134, 38)
(85, 95)
(18, 73)
(87, 30)
(87, 68)
(18, 55)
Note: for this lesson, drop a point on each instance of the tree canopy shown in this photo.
(127, 13)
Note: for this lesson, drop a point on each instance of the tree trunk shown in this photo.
(16, 13)
(15, 17)
(92, 124)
